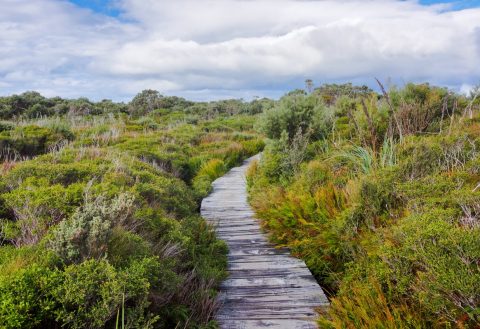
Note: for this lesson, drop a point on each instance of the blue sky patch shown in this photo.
(456, 4)
(105, 7)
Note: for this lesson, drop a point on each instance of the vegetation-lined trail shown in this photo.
(266, 288)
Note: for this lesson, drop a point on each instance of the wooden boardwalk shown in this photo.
(267, 288)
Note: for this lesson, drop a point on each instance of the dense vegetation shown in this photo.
(379, 194)
(99, 209)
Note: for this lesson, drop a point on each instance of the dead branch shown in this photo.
(444, 109)
(392, 111)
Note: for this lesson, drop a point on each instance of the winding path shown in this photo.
(266, 288)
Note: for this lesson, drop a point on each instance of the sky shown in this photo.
(214, 49)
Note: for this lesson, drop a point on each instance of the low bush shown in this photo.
(29, 141)
(87, 233)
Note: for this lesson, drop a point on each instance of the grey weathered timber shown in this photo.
(266, 287)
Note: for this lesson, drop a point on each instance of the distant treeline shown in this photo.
(31, 104)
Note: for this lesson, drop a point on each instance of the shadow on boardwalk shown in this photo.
(267, 288)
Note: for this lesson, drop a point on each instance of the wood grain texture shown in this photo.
(267, 287)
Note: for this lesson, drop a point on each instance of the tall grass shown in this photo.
(365, 161)
(362, 158)
(117, 324)
(209, 171)
(366, 308)
(387, 156)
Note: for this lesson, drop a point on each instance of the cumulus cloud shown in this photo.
(232, 48)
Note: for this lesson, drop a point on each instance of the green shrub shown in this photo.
(297, 112)
(88, 233)
(91, 293)
(37, 206)
(123, 246)
(31, 140)
(63, 174)
(26, 298)
(61, 127)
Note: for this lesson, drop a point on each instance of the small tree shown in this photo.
(294, 112)
(145, 102)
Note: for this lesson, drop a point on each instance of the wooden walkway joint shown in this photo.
(267, 287)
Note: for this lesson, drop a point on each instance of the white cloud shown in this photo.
(218, 48)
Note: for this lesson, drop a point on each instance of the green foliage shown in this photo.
(5, 126)
(31, 140)
(367, 307)
(104, 216)
(32, 105)
(93, 291)
(87, 233)
(210, 171)
(145, 102)
(26, 298)
(384, 207)
(37, 206)
(294, 113)
(330, 93)
(361, 159)
(149, 101)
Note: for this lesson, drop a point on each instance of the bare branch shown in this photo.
(392, 111)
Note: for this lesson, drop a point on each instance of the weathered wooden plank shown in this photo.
(253, 237)
(249, 243)
(268, 272)
(267, 312)
(263, 265)
(238, 252)
(223, 223)
(272, 282)
(242, 231)
(237, 229)
(299, 297)
(267, 288)
(282, 258)
(301, 280)
(268, 303)
(230, 218)
(274, 293)
(266, 323)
